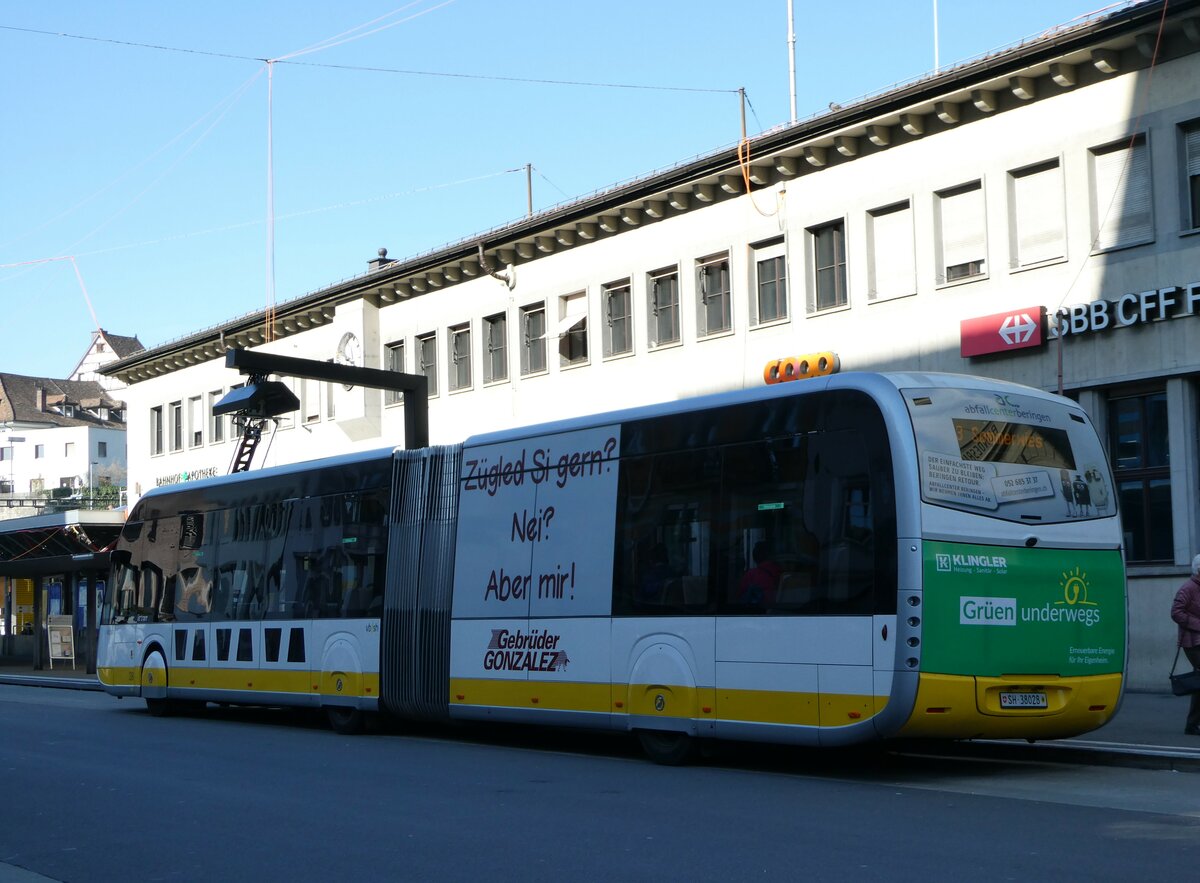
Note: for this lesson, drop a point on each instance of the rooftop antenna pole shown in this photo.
(742, 101)
(792, 56)
(268, 316)
(936, 65)
(529, 189)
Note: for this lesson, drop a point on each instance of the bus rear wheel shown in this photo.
(667, 748)
(346, 721)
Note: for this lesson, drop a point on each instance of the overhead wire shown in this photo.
(228, 99)
(336, 41)
(289, 59)
(343, 38)
(241, 225)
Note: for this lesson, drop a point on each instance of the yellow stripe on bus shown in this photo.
(655, 700)
(551, 695)
(365, 685)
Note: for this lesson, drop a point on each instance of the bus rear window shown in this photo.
(1006, 455)
(991, 441)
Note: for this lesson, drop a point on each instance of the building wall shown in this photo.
(919, 331)
(52, 456)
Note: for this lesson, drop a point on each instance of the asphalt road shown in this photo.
(94, 789)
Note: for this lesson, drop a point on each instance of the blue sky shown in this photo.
(149, 167)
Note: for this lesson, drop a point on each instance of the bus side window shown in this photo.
(663, 546)
(771, 555)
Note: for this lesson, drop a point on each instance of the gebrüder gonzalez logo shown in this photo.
(1001, 332)
(535, 650)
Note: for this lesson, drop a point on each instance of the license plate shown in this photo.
(1023, 700)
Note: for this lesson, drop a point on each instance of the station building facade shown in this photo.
(1033, 215)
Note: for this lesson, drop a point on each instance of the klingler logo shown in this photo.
(960, 562)
(518, 651)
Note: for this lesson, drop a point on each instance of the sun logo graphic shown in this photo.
(1074, 584)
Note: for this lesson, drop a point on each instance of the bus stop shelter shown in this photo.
(52, 572)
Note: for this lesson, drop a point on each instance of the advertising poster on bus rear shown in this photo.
(1000, 610)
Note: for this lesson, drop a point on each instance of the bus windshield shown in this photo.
(1009, 456)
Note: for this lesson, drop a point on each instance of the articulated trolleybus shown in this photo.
(854, 557)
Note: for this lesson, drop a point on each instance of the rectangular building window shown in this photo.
(495, 339)
(39, 451)
(156, 430)
(460, 357)
(962, 233)
(663, 302)
(1190, 134)
(394, 360)
(618, 318)
(1037, 215)
(533, 339)
(891, 265)
(1122, 205)
(572, 329)
(176, 426)
(6, 453)
(310, 400)
(714, 313)
(216, 425)
(1142, 467)
(101, 449)
(426, 355)
(769, 303)
(827, 251)
(69, 449)
(196, 421)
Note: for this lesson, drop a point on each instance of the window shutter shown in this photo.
(893, 261)
(1122, 192)
(1041, 227)
(1192, 147)
(963, 239)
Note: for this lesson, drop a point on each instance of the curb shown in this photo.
(1070, 751)
(51, 681)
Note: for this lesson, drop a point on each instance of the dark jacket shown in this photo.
(1186, 612)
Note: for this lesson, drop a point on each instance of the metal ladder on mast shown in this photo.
(247, 445)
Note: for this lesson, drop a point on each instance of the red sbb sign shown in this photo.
(1001, 332)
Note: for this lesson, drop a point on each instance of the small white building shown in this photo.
(60, 437)
(1033, 215)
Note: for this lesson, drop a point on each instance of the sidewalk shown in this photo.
(1146, 731)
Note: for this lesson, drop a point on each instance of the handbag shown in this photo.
(1188, 682)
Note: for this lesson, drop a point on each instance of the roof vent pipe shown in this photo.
(508, 275)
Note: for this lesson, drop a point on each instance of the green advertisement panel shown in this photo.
(1000, 610)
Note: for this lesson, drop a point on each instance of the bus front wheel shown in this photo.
(667, 748)
(154, 684)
